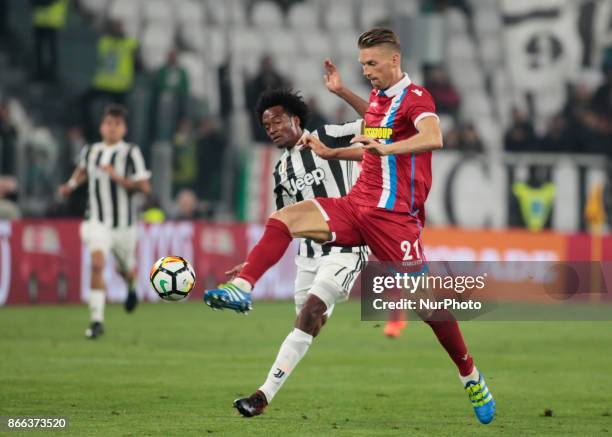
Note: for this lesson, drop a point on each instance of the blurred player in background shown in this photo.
(385, 209)
(115, 170)
(325, 274)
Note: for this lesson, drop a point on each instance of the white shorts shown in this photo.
(120, 241)
(329, 277)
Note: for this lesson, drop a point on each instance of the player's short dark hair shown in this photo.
(115, 110)
(291, 101)
(378, 36)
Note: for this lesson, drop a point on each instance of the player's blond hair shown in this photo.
(378, 36)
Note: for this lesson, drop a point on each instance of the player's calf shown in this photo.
(311, 317)
(291, 352)
(97, 296)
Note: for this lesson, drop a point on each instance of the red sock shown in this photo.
(395, 315)
(267, 251)
(447, 330)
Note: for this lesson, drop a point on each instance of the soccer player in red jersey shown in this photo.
(385, 209)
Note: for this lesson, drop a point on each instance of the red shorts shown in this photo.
(391, 235)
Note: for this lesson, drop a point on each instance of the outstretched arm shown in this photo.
(353, 153)
(334, 84)
(429, 138)
(79, 175)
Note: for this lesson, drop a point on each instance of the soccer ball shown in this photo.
(172, 277)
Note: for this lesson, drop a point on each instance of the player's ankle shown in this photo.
(264, 396)
(243, 284)
(474, 375)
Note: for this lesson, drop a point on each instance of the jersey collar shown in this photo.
(394, 90)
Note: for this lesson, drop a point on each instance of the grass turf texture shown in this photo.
(174, 369)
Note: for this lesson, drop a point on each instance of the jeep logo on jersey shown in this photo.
(379, 133)
(314, 177)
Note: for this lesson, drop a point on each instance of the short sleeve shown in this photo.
(339, 135)
(137, 169)
(83, 156)
(420, 104)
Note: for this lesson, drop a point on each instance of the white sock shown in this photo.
(291, 352)
(243, 284)
(96, 305)
(474, 376)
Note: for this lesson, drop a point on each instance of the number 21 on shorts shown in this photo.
(411, 250)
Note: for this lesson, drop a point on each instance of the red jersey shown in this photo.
(396, 182)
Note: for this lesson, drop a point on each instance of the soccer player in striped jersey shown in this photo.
(386, 207)
(115, 171)
(325, 274)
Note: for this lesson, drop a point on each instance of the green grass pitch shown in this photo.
(174, 369)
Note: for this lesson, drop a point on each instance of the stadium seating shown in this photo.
(129, 13)
(194, 36)
(210, 32)
(226, 12)
(303, 16)
(456, 22)
(307, 74)
(196, 71)
(157, 41)
(281, 42)
(406, 8)
(374, 12)
(266, 15)
(344, 44)
(351, 73)
(95, 7)
(158, 11)
(314, 42)
(191, 13)
(216, 45)
(339, 14)
(299, 40)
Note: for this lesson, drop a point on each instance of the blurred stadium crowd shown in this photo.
(190, 72)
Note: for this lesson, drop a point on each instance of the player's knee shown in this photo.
(316, 331)
(314, 309)
(313, 313)
(290, 217)
(283, 216)
(320, 325)
(323, 320)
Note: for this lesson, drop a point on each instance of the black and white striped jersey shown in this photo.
(301, 174)
(108, 202)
